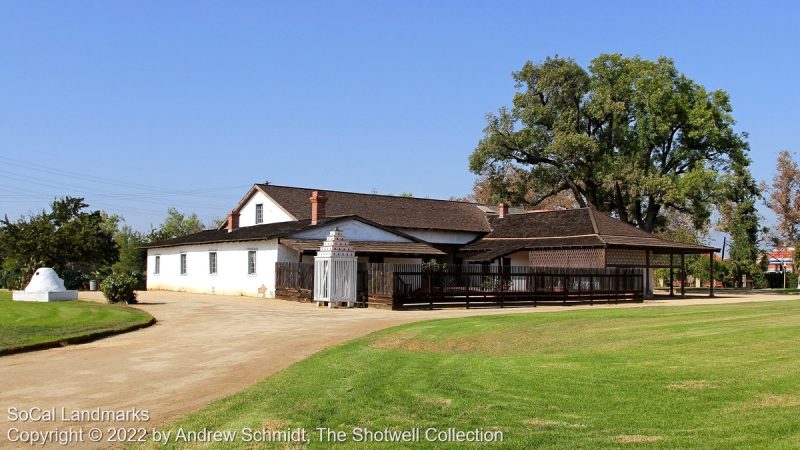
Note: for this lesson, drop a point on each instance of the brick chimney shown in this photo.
(318, 200)
(502, 210)
(233, 221)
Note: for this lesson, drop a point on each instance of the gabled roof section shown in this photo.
(265, 231)
(253, 190)
(541, 224)
(387, 210)
(569, 228)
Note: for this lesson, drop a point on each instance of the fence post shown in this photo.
(467, 299)
(502, 289)
(469, 284)
(430, 297)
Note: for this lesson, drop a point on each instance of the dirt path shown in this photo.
(202, 348)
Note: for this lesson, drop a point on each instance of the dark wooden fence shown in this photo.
(475, 286)
(402, 286)
(294, 280)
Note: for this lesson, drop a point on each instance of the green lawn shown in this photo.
(660, 377)
(25, 323)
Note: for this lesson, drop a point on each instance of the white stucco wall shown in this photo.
(519, 259)
(441, 237)
(231, 278)
(353, 230)
(272, 212)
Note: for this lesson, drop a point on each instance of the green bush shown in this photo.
(141, 280)
(433, 265)
(119, 288)
(75, 279)
(10, 279)
(775, 280)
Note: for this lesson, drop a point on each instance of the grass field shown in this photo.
(25, 323)
(661, 377)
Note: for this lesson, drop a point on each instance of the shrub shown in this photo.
(775, 280)
(434, 266)
(10, 279)
(119, 288)
(75, 279)
(141, 280)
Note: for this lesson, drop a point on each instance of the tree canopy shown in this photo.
(627, 136)
(784, 199)
(175, 225)
(66, 237)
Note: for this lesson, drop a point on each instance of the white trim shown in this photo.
(216, 263)
(259, 212)
(254, 252)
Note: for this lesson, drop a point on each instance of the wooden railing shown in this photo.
(515, 286)
(412, 286)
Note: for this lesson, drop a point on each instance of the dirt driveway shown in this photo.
(202, 348)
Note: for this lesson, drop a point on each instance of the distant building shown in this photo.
(781, 257)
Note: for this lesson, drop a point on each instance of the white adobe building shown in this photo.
(287, 224)
(274, 224)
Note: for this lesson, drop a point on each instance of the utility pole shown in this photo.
(783, 269)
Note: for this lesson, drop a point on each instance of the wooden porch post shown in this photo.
(671, 277)
(646, 272)
(711, 271)
(683, 275)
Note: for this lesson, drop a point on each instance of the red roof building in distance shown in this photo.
(780, 257)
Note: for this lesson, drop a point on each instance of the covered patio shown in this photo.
(586, 239)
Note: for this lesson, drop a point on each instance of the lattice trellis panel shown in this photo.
(637, 258)
(662, 260)
(579, 258)
(625, 257)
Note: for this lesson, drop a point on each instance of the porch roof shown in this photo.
(266, 231)
(396, 248)
(575, 228)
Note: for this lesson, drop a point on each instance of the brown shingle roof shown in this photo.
(396, 248)
(254, 233)
(582, 227)
(490, 249)
(387, 210)
(263, 232)
(557, 223)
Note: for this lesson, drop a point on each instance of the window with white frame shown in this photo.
(157, 265)
(259, 213)
(251, 262)
(183, 263)
(212, 263)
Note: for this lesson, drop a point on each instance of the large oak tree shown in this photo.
(627, 136)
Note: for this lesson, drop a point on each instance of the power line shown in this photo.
(102, 180)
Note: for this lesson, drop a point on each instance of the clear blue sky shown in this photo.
(147, 105)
